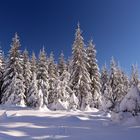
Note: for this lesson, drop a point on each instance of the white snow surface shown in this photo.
(27, 124)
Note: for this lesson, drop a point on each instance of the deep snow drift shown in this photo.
(26, 124)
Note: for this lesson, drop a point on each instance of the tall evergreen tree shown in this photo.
(113, 81)
(26, 71)
(123, 85)
(52, 71)
(13, 85)
(134, 81)
(116, 88)
(65, 90)
(42, 76)
(93, 70)
(33, 63)
(62, 92)
(119, 85)
(104, 79)
(61, 64)
(126, 82)
(34, 97)
(2, 65)
(80, 78)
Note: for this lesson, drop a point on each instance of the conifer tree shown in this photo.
(42, 76)
(80, 78)
(26, 71)
(123, 85)
(131, 101)
(134, 81)
(126, 82)
(93, 70)
(2, 65)
(33, 63)
(52, 72)
(34, 97)
(115, 89)
(119, 85)
(13, 82)
(104, 79)
(62, 90)
(61, 64)
(66, 90)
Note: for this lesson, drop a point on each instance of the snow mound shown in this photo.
(42, 109)
(94, 109)
(87, 109)
(130, 121)
(59, 105)
(116, 117)
(125, 118)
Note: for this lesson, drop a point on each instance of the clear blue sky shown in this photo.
(114, 26)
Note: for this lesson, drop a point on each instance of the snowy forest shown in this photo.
(73, 84)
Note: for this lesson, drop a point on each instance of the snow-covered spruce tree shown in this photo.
(106, 98)
(134, 79)
(124, 83)
(104, 79)
(115, 89)
(61, 64)
(52, 71)
(2, 65)
(43, 77)
(13, 82)
(33, 63)
(34, 97)
(121, 88)
(93, 70)
(131, 101)
(73, 99)
(26, 71)
(113, 81)
(106, 89)
(119, 85)
(69, 64)
(62, 93)
(67, 95)
(65, 87)
(80, 78)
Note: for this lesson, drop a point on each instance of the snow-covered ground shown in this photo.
(26, 124)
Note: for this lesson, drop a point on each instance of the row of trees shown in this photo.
(115, 85)
(73, 84)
